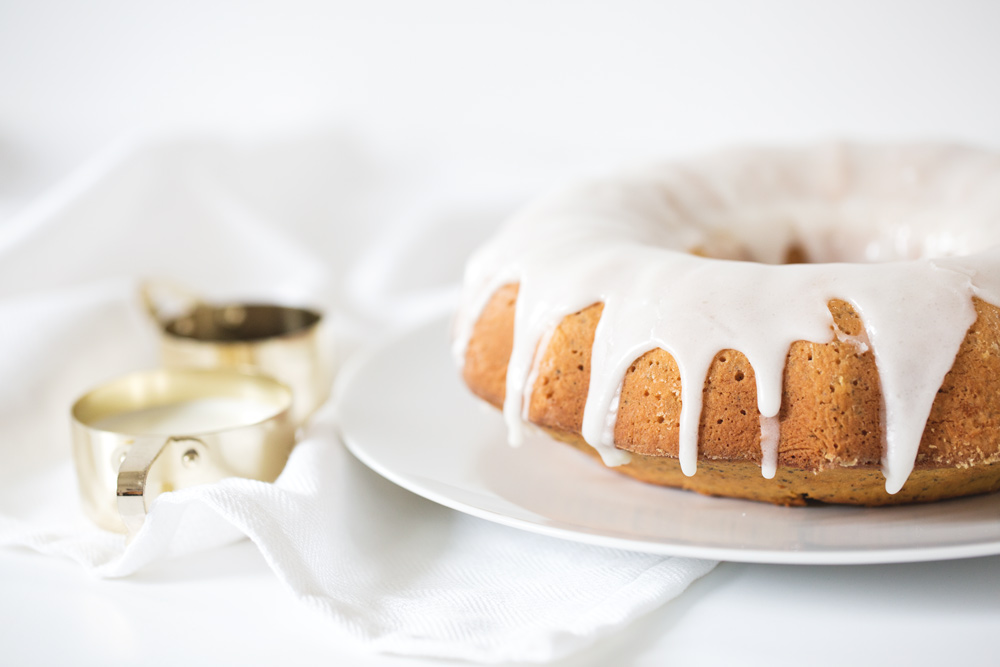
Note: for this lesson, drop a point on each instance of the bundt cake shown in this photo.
(781, 325)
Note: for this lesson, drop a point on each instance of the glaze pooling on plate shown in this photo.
(686, 257)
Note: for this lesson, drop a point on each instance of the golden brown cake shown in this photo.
(835, 434)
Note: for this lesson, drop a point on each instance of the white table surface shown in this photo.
(226, 607)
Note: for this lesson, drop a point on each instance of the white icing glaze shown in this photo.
(770, 434)
(906, 234)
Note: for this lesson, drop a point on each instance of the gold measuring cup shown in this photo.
(150, 432)
(283, 342)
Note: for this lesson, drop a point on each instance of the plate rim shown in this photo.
(356, 366)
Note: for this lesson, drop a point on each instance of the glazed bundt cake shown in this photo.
(778, 325)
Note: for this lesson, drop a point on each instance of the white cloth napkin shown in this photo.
(312, 220)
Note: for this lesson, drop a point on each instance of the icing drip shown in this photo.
(770, 433)
(627, 243)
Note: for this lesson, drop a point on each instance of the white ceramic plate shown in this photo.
(404, 413)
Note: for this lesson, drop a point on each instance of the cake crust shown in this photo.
(830, 446)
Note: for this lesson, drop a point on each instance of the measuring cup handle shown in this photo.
(132, 473)
(156, 294)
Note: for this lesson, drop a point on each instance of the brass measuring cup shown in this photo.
(155, 431)
(283, 342)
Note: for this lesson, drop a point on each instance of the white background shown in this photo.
(523, 91)
(550, 83)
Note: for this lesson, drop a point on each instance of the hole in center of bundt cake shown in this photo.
(795, 253)
(790, 245)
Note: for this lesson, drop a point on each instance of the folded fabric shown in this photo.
(391, 571)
